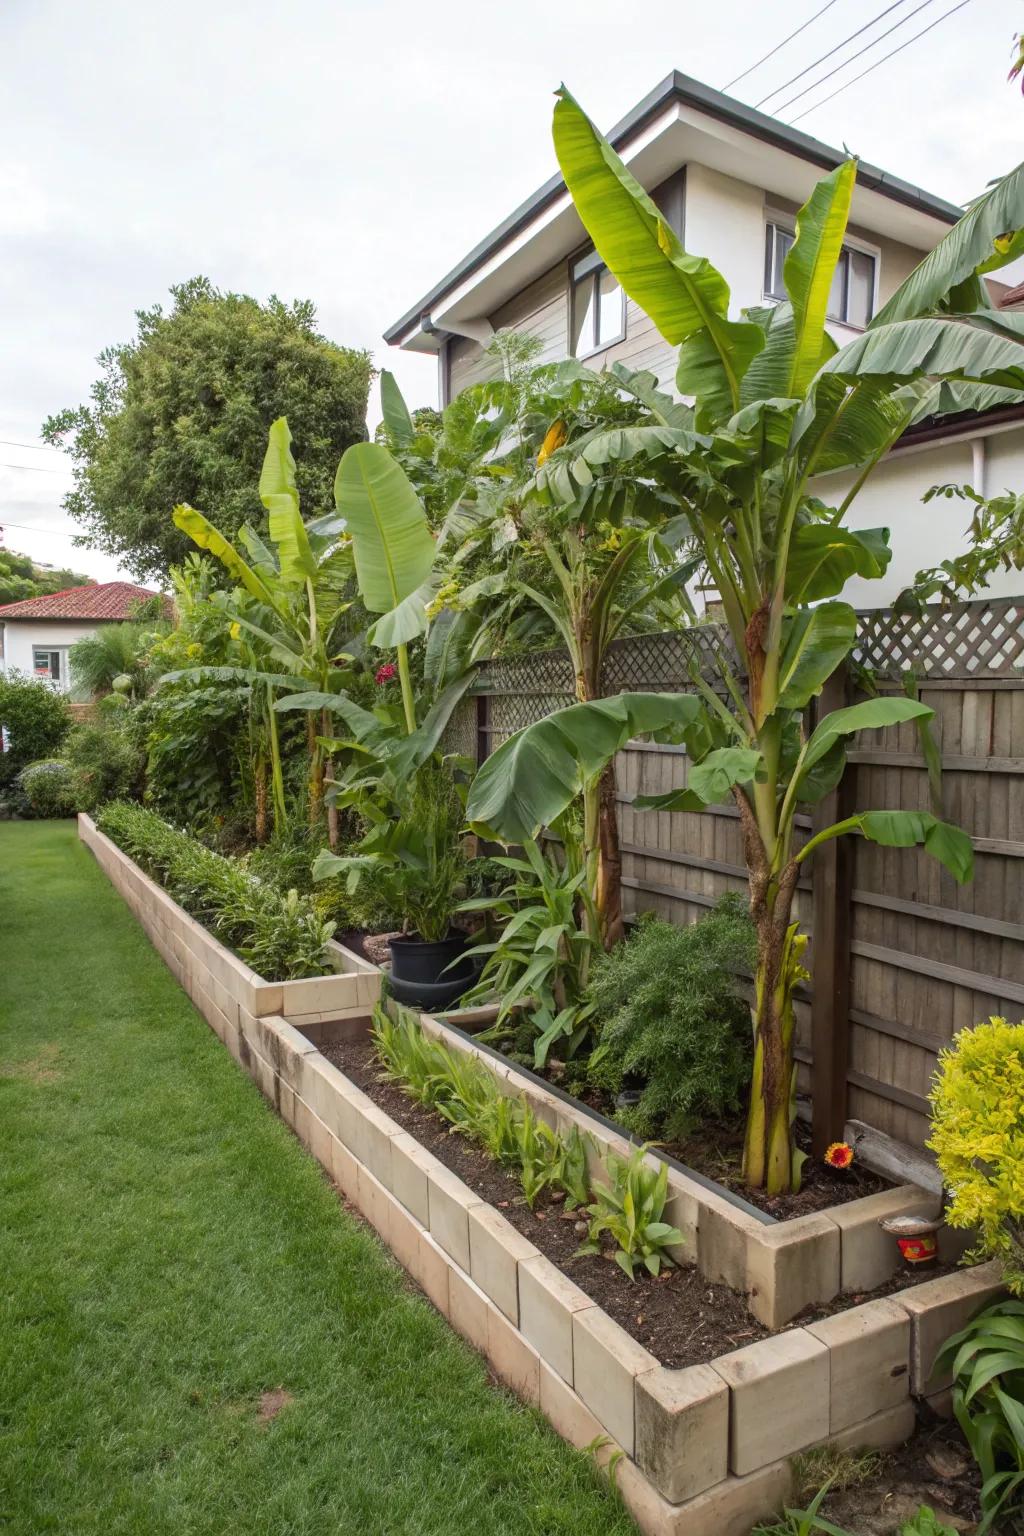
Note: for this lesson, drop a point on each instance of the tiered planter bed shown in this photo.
(706, 1447)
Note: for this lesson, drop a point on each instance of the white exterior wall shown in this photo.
(20, 636)
(924, 535)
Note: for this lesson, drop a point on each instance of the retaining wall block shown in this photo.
(939, 1308)
(869, 1361)
(496, 1248)
(606, 1361)
(779, 1392)
(512, 1359)
(467, 1309)
(869, 1255)
(411, 1166)
(431, 1271)
(790, 1266)
(881, 1432)
(723, 1236)
(682, 1429)
(548, 1301)
(449, 1202)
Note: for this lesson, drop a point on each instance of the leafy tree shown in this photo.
(20, 577)
(181, 414)
(776, 404)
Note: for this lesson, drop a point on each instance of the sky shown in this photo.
(351, 153)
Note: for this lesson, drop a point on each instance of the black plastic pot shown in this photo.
(421, 963)
(432, 997)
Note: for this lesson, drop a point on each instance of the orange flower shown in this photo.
(839, 1154)
(556, 436)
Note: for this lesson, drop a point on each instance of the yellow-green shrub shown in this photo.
(978, 1138)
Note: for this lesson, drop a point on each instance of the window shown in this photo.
(598, 306)
(852, 300)
(46, 663)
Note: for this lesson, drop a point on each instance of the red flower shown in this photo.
(839, 1154)
(384, 674)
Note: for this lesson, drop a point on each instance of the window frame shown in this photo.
(61, 653)
(595, 269)
(776, 220)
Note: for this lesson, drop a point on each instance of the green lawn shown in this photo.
(169, 1253)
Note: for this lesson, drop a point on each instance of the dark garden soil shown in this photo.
(680, 1317)
(934, 1468)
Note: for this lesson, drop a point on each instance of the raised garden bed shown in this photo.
(707, 1447)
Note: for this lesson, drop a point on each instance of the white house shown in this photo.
(730, 180)
(37, 633)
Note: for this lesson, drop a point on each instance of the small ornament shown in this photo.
(839, 1156)
(915, 1238)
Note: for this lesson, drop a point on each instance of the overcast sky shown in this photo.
(350, 153)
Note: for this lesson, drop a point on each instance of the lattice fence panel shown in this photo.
(982, 639)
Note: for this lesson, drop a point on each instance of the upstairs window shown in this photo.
(852, 299)
(597, 304)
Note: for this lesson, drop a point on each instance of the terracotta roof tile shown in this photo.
(111, 600)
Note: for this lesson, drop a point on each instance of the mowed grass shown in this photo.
(170, 1254)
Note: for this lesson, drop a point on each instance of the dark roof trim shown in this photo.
(678, 88)
(959, 424)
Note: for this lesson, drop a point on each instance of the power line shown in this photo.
(58, 533)
(865, 28)
(860, 51)
(35, 469)
(10, 442)
(892, 54)
(773, 51)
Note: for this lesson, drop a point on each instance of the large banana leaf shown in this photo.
(394, 409)
(814, 642)
(202, 532)
(408, 621)
(709, 782)
(538, 772)
(643, 386)
(797, 342)
(823, 557)
(905, 829)
(391, 541)
(983, 240)
(868, 716)
(937, 348)
(450, 646)
(684, 295)
(279, 494)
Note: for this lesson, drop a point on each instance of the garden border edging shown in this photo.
(703, 1448)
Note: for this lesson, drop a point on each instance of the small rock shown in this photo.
(580, 1227)
(946, 1462)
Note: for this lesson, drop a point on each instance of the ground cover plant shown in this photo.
(280, 935)
(194, 1334)
(986, 1360)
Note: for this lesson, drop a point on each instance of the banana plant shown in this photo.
(289, 596)
(776, 404)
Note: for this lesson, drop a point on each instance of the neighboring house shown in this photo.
(37, 633)
(729, 180)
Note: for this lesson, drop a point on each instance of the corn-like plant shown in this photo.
(986, 1361)
(630, 1209)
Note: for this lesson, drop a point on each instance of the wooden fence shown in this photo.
(901, 956)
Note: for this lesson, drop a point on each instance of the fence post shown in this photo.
(483, 721)
(832, 882)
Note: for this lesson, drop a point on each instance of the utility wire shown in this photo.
(10, 442)
(865, 28)
(892, 54)
(35, 469)
(860, 51)
(773, 51)
(58, 533)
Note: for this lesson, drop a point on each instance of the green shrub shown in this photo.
(630, 1206)
(104, 759)
(667, 1006)
(35, 719)
(978, 1139)
(279, 935)
(47, 788)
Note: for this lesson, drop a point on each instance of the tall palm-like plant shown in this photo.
(776, 404)
(113, 652)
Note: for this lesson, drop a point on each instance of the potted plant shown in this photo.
(413, 853)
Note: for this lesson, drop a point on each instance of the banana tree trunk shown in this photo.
(606, 889)
(259, 781)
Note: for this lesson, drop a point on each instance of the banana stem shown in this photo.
(405, 678)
